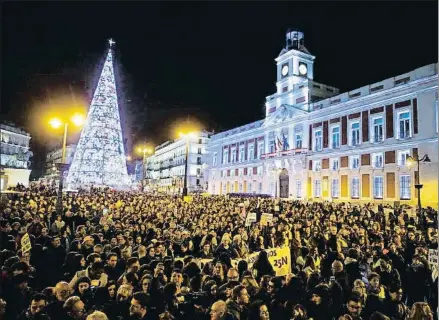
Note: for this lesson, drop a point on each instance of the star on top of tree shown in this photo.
(111, 42)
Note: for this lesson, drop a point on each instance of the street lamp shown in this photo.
(77, 120)
(187, 137)
(410, 163)
(144, 151)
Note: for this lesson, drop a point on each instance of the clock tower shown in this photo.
(294, 63)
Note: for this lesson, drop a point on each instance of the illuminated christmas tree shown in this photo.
(99, 159)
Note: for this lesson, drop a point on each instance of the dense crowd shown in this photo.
(120, 255)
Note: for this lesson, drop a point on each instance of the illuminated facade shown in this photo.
(55, 156)
(165, 168)
(316, 143)
(15, 156)
(100, 159)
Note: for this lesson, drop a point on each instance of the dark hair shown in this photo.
(253, 311)
(131, 261)
(378, 316)
(236, 292)
(355, 297)
(92, 256)
(39, 297)
(142, 298)
(110, 254)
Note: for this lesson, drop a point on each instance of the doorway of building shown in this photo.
(284, 184)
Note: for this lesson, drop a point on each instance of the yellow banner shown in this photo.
(188, 199)
(280, 259)
(25, 243)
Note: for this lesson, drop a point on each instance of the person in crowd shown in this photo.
(36, 309)
(139, 306)
(219, 311)
(74, 308)
(237, 303)
(258, 310)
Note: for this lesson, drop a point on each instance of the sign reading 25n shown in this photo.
(278, 263)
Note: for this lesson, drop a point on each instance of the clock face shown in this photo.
(285, 70)
(303, 69)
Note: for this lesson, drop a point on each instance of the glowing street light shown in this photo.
(55, 123)
(78, 120)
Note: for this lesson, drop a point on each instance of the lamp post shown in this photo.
(410, 162)
(186, 136)
(144, 151)
(77, 120)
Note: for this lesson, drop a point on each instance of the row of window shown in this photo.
(241, 172)
(251, 187)
(354, 161)
(354, 132)
(241, 156)
(378, 187)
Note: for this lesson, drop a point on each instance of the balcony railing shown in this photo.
(290, 152)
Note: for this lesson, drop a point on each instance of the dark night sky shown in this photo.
(210, 60)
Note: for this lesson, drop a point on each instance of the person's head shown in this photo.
(83, 285)
(218, 310)
(232, 274)
(56, 241)
(97, 315)
(274, 285)
(299, 313)
(38, 303)
(96, 270)
(141, 250)
(337, 267)
(240, 295)
(374, 280)
(124, 293)
(177, 277)
(145, 282)
(319, 295)
(133, 264)
(258, 311)
(62, 291)
(139, 305)
(395, 292)
(421, 311)
(111, 287)
(354, 305)
(112, 259)
(359, 287)
(74, 307)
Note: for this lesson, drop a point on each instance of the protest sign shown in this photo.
(280, 259)
(433, 262)
(25, 243)
(266, 218)
(188, 199)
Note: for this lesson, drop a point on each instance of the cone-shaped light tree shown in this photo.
(100, 159)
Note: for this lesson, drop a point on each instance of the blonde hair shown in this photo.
(419, 311)
(97, 315)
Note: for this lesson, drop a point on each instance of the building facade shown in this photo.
(15, 156)
(165, 169)
(54, 157)
(316, 143)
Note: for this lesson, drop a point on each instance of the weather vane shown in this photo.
(111, 42)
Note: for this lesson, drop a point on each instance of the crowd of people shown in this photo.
(121, 255)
